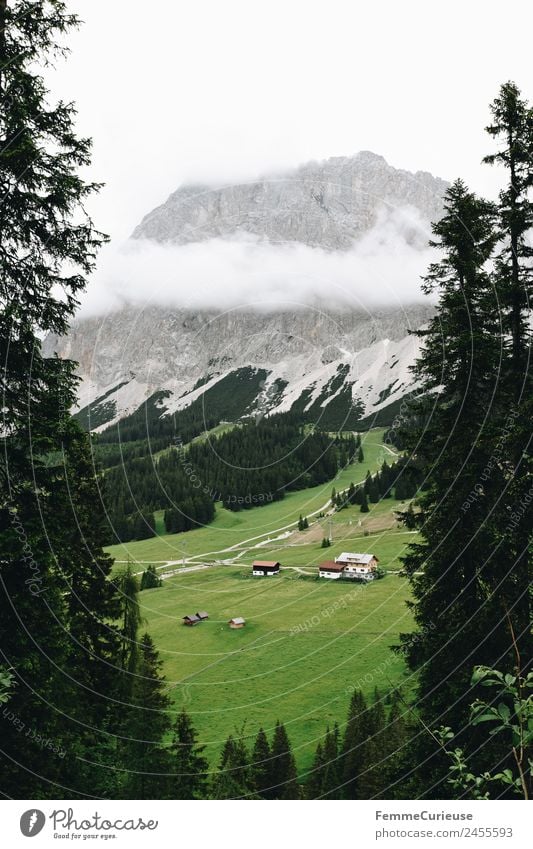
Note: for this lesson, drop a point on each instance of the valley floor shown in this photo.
(306, 644)
(307, 641)
(231, 535)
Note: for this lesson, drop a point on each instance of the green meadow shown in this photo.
(232, 529)
(307, 641)
(306, 644)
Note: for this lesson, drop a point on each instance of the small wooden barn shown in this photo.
(237, 622)
(202, 615)
(265, 567)
(193, 619)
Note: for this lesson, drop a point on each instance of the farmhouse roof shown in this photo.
(331, 566)
(264, 563)
(355, 557)
(238, 620)
(201, 614)
(192, 618)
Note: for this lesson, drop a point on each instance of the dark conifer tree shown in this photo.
(353, 752)
(131, 619)
(397, 742)
(358, 495)
(324, 778)
(188, 765)
(409, 518)
(461, 596)
(373, 491)
(313, 785)
(284, 776)
(146, 724)
(331, 773)
(374, 772)
(150, 579)
(512, 130)
(233, 780)
(261, 766)
(55, 603)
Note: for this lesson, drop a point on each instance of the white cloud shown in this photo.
(382, 269)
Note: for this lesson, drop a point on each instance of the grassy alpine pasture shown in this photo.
(231, 529)
(378, 532)
(307, 643)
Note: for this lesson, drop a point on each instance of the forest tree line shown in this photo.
(249, 466)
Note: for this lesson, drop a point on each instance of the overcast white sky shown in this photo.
(225, 89)
(176, 91)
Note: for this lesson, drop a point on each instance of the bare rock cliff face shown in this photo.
(309, 355)
(326, 204)
(128, 355)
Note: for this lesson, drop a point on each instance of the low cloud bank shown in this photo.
(382, 269)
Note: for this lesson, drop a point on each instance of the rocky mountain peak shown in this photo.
(328, 204)
(311, 359)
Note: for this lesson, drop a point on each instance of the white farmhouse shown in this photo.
(360, 567)
(265, 567)
(330, 569)
(356, 564)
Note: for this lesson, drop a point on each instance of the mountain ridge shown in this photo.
(129, 355)
(326, 204)
(316, 359)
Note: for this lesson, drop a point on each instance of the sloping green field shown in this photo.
(307, 643)
(230, 529)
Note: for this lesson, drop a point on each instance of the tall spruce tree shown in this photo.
(324, 778)
(331, 772)
(313, 784)
(131, 620)
(397, 742)
(374, 772)
(353, 752)
(188, 764)
(55, 605)
(146, 761)
(233, 780)
(461, 595)
(512, 130)
(261, 766)
(284, 776)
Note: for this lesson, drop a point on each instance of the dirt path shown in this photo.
(239, 548)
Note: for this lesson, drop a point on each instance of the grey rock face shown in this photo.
(322, 204)
(159, 345)
(129, 354)
(145, 351)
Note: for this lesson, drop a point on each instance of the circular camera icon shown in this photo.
(32, 822)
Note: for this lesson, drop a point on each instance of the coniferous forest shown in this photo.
(77, 668)
(253, 465)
